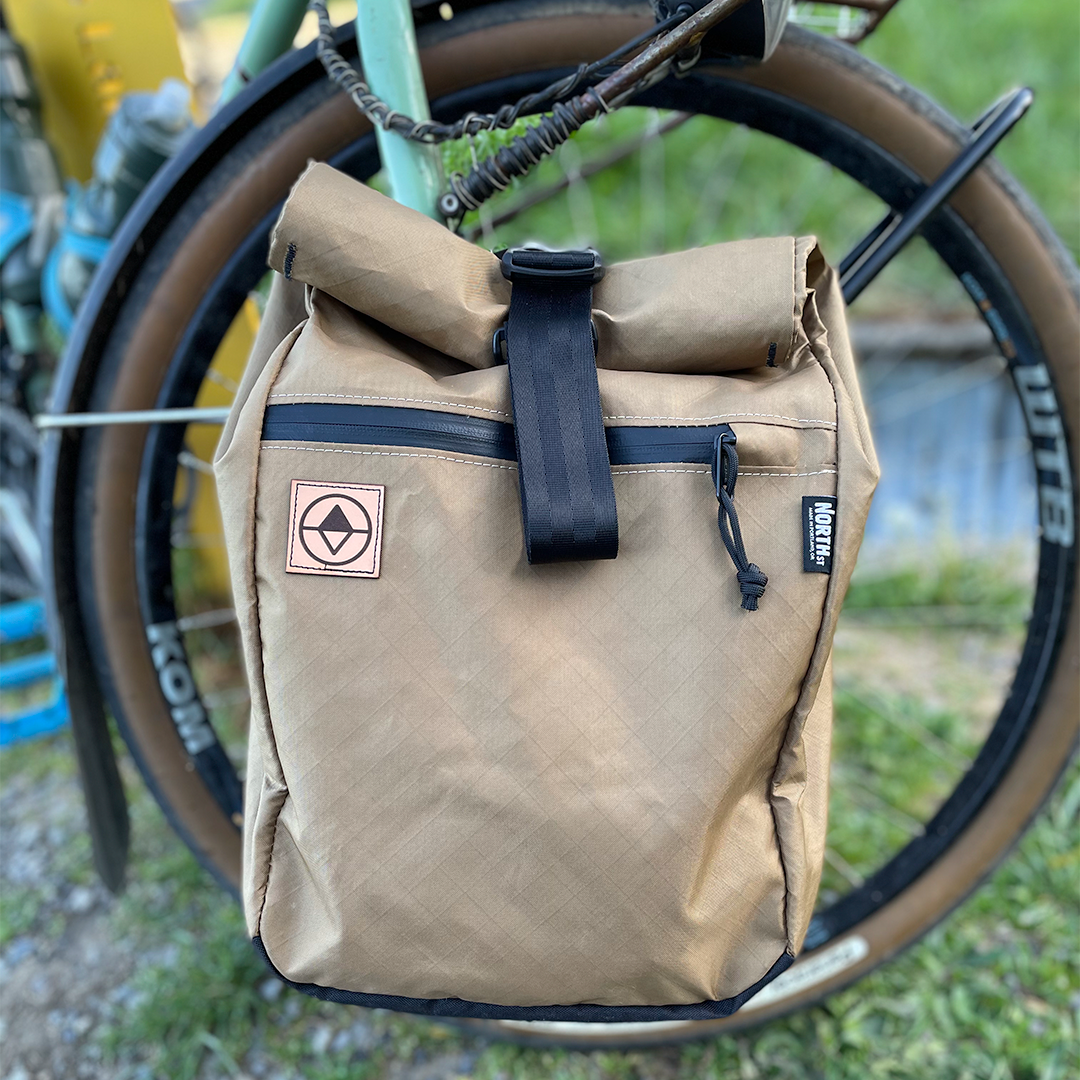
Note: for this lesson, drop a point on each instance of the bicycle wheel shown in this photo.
(196, 250)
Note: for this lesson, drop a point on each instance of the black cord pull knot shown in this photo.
(725, 470)
(752, 582)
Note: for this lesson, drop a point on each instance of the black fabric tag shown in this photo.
(819, 531)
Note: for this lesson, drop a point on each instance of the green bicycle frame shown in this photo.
(391, 63)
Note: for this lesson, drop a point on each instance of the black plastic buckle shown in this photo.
(513, 267)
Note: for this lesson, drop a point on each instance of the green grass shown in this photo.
(950, 580)
(18, 912)
(991, 993)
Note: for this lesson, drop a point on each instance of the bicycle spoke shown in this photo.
(486, 226)
(578, 197)
(934, 744)
(714, 197)
(232, 695)
(586, 169)
(940, 616)
(652, 188)
(139, 416)
(221, 380)
(848, 872)
(803, 198)
(189, 460)
(902, 403)
(875, 804)
(205, 620)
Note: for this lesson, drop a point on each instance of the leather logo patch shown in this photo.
(335, 529)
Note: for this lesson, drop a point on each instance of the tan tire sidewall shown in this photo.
(490, 53)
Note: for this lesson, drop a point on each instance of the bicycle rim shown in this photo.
(132, 582)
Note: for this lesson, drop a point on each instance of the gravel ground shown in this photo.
(66, 972)
(69, 971)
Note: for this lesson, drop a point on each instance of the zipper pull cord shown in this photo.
(725, 472)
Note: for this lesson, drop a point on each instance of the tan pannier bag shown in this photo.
(572, 790)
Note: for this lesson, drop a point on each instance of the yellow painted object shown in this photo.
(85, 55)
(195, 488)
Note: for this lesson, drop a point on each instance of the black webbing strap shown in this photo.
(567, 497)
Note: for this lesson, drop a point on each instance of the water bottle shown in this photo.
(144, 132)
(31, 199)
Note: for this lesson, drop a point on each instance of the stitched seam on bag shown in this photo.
(262, 673)
(495, 412)
(788, 895)
(724, 416)
(779, 842)
(796, 316)
(387, 453)
(750, 472)
(621, 471)
(270, 862)
(387, 397)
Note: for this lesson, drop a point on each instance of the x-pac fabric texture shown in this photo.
(472, 780)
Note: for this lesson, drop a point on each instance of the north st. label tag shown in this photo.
(819, 532)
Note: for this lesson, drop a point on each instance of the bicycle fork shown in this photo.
(386, 38)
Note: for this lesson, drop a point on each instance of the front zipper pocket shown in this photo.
(380, 425)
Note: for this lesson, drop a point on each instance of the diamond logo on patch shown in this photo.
(335, 529)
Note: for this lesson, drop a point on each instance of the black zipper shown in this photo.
(379, 425)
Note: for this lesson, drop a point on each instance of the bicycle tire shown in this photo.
(152, 298)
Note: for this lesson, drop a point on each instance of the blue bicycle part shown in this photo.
(23, 621)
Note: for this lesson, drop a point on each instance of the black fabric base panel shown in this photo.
(578, 1014)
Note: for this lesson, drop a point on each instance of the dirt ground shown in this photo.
(61, 982)
(70, 976)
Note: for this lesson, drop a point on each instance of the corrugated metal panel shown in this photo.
(955, 456)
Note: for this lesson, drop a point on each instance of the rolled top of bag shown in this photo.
(412, 274)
